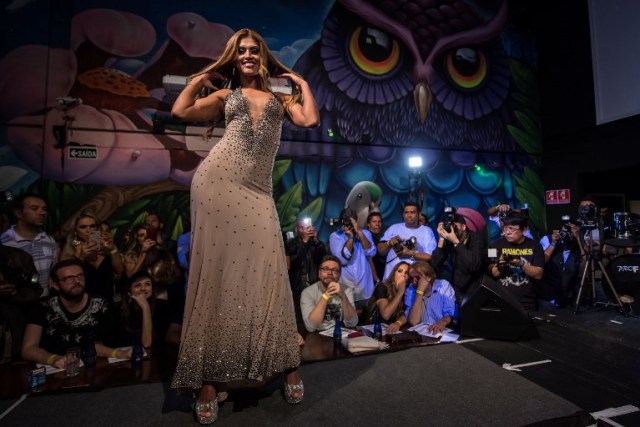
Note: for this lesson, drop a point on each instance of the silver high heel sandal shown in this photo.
(211, 406)
(289, 389)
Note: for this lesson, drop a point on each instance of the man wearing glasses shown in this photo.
(64, 321)
(326, 299)
(520, 261)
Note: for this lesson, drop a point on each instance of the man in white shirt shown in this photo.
(393, 244)
(321, 302)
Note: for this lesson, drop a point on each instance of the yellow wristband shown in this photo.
(50, 358)
(114, 353)
(419, 292)
(399, 322)
(325, 297)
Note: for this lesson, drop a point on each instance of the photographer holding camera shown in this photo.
(399, 238)
(520, 261)
(498, 213)
(561, 261)
(353, 246)
(465, 249)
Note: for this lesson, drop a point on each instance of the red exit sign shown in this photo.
(558, 197)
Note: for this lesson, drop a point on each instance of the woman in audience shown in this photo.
(141, 310)
(388, 299)
(134, 257)
(100, 258)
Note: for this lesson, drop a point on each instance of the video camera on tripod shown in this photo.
(588, 217)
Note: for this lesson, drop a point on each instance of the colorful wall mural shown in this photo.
(85, 120)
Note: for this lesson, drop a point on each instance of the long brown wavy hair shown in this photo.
(225, 66)
(372, 306)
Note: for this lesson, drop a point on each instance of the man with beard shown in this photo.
(520, 261)
(378, 262)
(31, 213)
(466, 251)
(322, 301)
(65, 321)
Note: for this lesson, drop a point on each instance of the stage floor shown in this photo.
(583, 363)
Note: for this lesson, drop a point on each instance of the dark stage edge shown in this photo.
(441, 385)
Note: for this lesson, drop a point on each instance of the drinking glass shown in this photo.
(73, 362)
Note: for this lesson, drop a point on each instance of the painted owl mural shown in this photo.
(429, 78)
(448, 80)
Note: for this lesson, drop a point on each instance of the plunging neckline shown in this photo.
(254, 124)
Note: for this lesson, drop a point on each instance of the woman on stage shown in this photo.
(239, 322)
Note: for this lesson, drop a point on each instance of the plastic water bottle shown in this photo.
(137, 352)
(337, 330)
(89, 355)
(377, 327)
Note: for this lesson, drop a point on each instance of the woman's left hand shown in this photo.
(296, 79)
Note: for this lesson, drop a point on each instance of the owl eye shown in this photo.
(466, 67)
(374, 51)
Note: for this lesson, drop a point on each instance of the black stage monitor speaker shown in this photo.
(490, 311)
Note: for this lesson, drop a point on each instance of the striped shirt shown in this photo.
(437, 304)
(42, 248)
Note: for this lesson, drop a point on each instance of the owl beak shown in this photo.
(422, 99)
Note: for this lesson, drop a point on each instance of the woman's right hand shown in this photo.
(148, 244)
(401, 286)
(205, 80)
(141, 300)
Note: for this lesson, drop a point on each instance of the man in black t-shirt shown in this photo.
(520, 261)
(64, 321)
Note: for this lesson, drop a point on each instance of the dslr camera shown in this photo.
(565, 231)
(345, 218)
(448, 218)
(15, 275)
(411, 243)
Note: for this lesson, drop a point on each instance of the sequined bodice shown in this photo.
(252, 146)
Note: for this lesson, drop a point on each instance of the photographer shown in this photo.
(407, 241)
(353, 247)
(304, 253)
(378, 261)
(561, 261)
(465, 249)
(499, 212)
(520, 261)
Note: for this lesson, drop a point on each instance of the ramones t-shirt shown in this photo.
(513, 278)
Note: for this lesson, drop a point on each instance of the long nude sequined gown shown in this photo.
(239, 321)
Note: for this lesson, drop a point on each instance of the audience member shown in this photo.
(398, 236)
(30, 211)
(153, 222)
(95, 249)
(466, 252)
(321, 302)
(353, 246)
(142, 311)
(520, 261)
(304, 253)
(136, 253)
(387, 301)
(19, 288)
(435, 305)
(561, 261)
(378, 261)
(497, 213)
(65, 320)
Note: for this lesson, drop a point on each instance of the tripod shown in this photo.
(590, 266)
